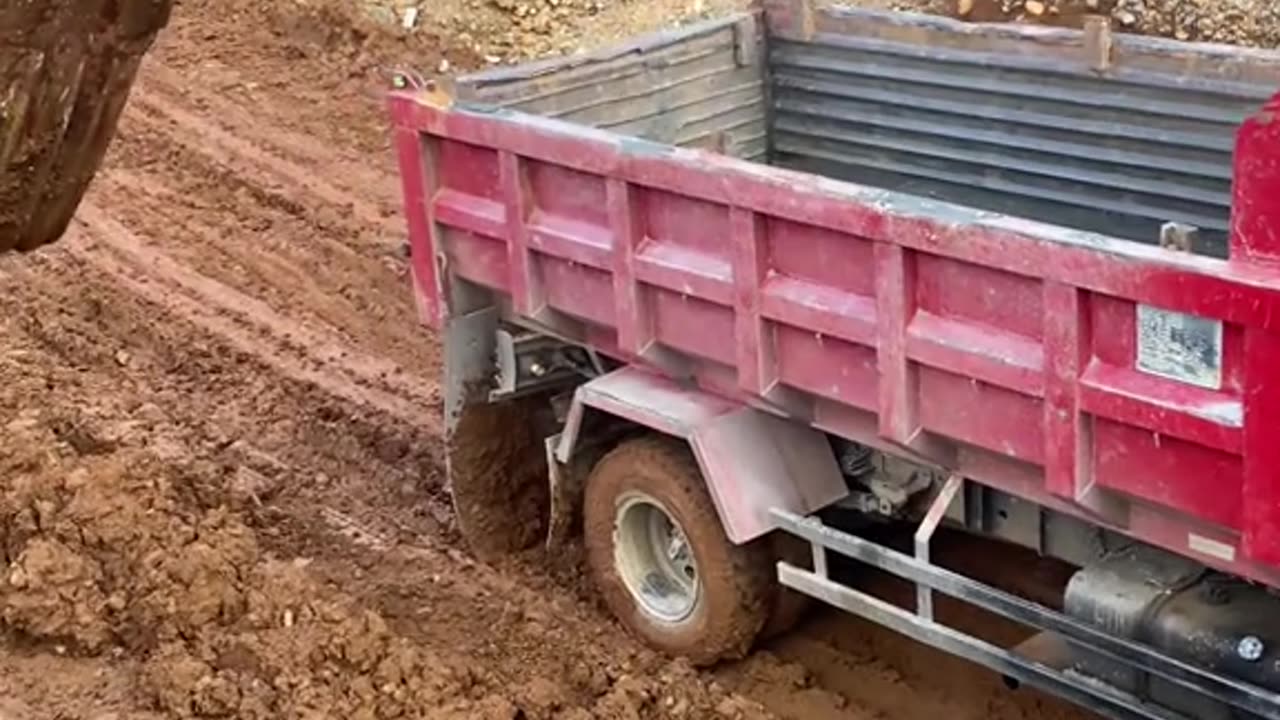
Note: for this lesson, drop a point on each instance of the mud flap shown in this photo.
(566, 497)
(498, 476)
(752, 461)
(495, 459)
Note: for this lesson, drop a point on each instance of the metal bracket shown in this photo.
(530, 363)
(1098, 42)
(438, 92)
(746, 41)
(1180, 236)
(924, 533)
(564, 497)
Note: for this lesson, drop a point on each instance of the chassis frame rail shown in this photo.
(921, 627)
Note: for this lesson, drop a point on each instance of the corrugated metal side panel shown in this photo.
(1116, 152)
(700, 86)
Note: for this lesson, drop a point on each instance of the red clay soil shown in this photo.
(221, 453)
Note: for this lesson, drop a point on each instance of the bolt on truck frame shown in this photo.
(738, 283)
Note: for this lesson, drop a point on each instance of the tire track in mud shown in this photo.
(251, 326)
(306, 264)
(355, 175)
(236, 150)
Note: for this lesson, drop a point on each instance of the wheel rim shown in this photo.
(654, 559)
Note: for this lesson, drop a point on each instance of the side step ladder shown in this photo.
(1057, 628)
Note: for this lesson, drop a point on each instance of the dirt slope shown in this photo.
(1254, 23)
(223, 492)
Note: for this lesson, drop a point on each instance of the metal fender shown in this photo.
(752, 461)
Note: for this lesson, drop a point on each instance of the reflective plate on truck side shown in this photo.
(1181, 347)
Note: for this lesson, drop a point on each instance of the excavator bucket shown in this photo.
(66, 68)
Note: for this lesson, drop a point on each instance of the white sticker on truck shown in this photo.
(1211, 547)
(1181, 347)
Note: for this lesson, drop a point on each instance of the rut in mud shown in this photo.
(221, 444)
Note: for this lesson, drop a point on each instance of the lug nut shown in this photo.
(1250, 648)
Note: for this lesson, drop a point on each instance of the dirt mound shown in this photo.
(296, 654)
(105, 554)
(498, 31)
(358, 37)
(100, 555)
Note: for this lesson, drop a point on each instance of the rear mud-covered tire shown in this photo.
(691, 592)
(66, 68)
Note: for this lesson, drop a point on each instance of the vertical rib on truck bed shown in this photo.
(1125, 383)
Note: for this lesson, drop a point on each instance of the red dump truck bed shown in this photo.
(909, 314)
(1134, 385)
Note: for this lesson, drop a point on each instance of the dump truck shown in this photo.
(718, 300)
(66, 69)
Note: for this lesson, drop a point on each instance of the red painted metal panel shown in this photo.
(1210, 418)
(1235, 292)
(572, 240)
(834, 260)
(635, 328)
(686, 323)
(1001, 348)
(990, 298)
(679, 220)
(686, 271)
(821, 309)
(577, 290)
(482, 260)
(1256, 200)
(560, 192)
(469, 212)
(962, 408)
(524, 284)
(1262, 448)
(1256, 239)
(469, 169)
(998, 357)
(826, 366)
(418, 182)
(1169, 472)
(895, 305)
(1115, 345)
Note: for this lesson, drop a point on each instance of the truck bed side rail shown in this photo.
(1127, 383)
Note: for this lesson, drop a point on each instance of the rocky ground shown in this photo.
(1240, 22)
(500, 31)
(503, 31)
(219, 439)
